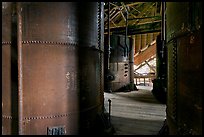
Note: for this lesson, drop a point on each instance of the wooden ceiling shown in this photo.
(143, 17)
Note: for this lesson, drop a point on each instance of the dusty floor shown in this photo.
(135, 112)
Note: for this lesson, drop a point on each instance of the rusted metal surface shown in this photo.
(7, 11)
(20, 68)
(89, 76)
(101, 48)
(190, 83)
(121, 76)
(62, 78)
(131, 63)
(90, 55)
(184, 103)
(52, 85)
(172, 85)
(9, 70)
(119, 62)
(58, 25)
(50, 67)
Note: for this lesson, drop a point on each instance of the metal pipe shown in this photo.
(101, 45)
(108, 36)
(20, 71)
(109, 110)
(163, 32)
(131, 63)
(109, 76)
(163, 36)
(126, 30)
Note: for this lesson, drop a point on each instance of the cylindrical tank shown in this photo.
(184, 44)
(62, 67)
(119, 71)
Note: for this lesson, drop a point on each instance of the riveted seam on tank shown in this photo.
(174, 79)
(7, 117)
(6, 43)
(43, 42)
(46, 117)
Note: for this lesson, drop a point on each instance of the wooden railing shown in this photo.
(144, 79)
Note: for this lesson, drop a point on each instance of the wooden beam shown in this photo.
(144, 11)
(115, 15)
(129, 5)
(138, 29)
(134, 3)
(113, 23)
(150, 66)
(153, 17)
(118, 18)
(143, 56)
(142, 64)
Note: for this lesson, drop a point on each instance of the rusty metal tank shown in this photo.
(119, 71)
(61, 67)
(184, 45)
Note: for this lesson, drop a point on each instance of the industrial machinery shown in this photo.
(160, 82)
(119, 72)
(52, 68)
(118, 60)
(184, 90)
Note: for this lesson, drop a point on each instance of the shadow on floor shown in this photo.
(129, 126)
(140, 95)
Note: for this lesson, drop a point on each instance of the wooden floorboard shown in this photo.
(135, 112)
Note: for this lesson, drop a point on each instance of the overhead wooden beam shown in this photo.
(143, 56)
(143, 8)
(153, 69)
(138, 29)
(129, 5)
(144, 11)
(113, 4)
(134, 3)
(153, 17)
(142, 64)
(113, 23)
